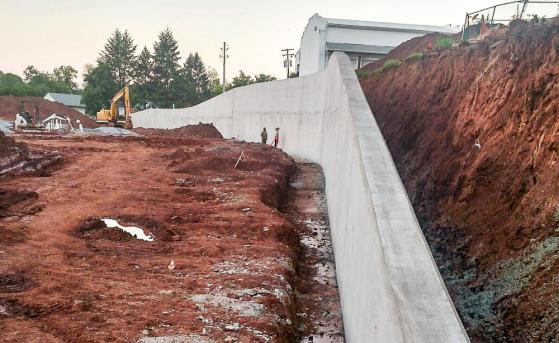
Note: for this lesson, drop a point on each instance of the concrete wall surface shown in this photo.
(390, 287)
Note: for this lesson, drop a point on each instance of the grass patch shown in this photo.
(390, 64)
(361, 74)
(416, 56)
(444, 42)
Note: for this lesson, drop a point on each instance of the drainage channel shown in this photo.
(317, 300)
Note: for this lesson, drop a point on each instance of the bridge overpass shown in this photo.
(390, 287)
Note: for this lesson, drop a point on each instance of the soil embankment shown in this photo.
(200, 131)
(9, 107)
(474, 132)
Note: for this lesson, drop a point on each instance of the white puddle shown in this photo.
(133, 231)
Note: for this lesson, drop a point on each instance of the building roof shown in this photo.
(360, 48)
(72, 100)
(54, 116)
(376, 25)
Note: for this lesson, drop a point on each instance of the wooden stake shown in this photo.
(239, 160)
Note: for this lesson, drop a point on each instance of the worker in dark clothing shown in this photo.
(276, 138)
(264, 136)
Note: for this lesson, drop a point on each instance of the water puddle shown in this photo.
(133, 231)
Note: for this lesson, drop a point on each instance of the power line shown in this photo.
(224, 56)
(287, 63)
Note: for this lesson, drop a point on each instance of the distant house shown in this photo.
(363, 41)
(71, 100)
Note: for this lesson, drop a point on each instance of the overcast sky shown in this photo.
(48, 33)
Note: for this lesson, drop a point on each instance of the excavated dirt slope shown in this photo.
(474, 134)
(200, 131)
(9, 106)
(222, 266)
(11, 152)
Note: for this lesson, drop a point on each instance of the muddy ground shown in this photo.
(223, 265)
(474, 133)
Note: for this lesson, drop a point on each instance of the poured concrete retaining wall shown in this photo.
(390, 288)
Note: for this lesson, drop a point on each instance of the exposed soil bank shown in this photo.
(474, 134)
(9, 106)
(223, 265)
(200, 131)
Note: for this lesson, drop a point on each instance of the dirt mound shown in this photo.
(11, 152)
(200, 131)
(9, 106)
(473, 131)
(9, 198)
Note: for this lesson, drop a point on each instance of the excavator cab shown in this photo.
(111, 115)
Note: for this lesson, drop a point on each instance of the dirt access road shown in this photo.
(222, 266)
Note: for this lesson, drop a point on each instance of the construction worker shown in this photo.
(276, 138)
(264, 136)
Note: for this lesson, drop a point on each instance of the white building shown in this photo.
(56, 122)
(363, 41)
(71, 100)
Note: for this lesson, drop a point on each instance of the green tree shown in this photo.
(66, 75)
(119, 56)
(142, 89)
(214, 82)
(11, 84)
(240, 80)
(166, 68)
(30, 72)
(196, 74)
(263, 78)
(99, 88)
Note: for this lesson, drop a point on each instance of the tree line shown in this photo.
(38, 83)
(157, 77)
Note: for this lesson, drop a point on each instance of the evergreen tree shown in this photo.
(142, 90)
(143, 69)
(99, 88)
(196, 74)
(166, 68)
(118, 55)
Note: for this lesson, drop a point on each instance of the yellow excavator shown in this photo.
(111, 115)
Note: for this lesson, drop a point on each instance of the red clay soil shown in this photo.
(222, 265)
(9, 107)
(200, 131)
(419, 44)
(474, 134)
(11, 152)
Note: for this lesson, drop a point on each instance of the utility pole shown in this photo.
(524, 9)
(224, 56)
(287, 62)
